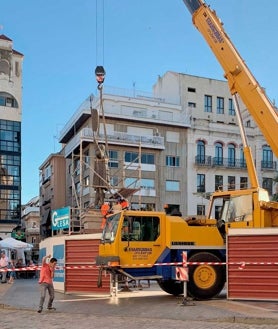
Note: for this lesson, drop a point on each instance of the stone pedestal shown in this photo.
(91, 221)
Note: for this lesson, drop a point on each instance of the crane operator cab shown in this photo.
(232, 211)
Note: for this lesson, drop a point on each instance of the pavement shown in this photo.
(152, 304)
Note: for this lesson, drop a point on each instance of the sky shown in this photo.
(136, 41)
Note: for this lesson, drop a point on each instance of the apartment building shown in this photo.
(52, 189)
(10, 136)
(30, 223)
(172, 147)
(215, 151)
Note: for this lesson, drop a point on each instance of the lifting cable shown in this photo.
(100, 70)
(100, 76)
(99, 31)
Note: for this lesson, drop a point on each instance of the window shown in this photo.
(267, 185)
(218, 160)
(248, 123)
(86, 204)
(87, 158)
(114, 181)
(267, 158)
(113, 159)
(77, 166)
(231, 155)
(10, 136)
(237, 208)
(4, 66)
(46, 173)
(2, 101)
(86, 181)
(217, 212)
(131, 157)
(218, 182)
(140, 228)
(191, 90)
(147, 158)
(201, 186)
(10, 183)
(208, 103)
(143, 206)
(143, 183)
(8, 100)
(77, 187)
(201, 152)
(131, 182)
(191, 104)
(231, 107)
(220, 105)
(173, 186)
(243, 182)
(172, 161)
(147, 183)
(201, 210)
(231, 182)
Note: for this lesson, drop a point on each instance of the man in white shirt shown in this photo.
(4, 262)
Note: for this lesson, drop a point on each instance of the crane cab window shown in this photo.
(237, 209)
(140, 228)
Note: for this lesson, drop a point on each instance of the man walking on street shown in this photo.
(4, 262)
(46, 282)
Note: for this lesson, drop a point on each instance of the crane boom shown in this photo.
(239, 76)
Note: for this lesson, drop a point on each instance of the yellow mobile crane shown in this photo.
(240, 78)
(149, 245)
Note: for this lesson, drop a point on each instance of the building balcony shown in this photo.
(116, 138)
(268, 165)
(203, 161)
(123, 104)
(209, 161)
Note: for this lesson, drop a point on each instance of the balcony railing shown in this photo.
(205, 161)
(208, 161)
(268, 165)
(116, 137)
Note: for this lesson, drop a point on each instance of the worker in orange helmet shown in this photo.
(105, 210)
(124, 204)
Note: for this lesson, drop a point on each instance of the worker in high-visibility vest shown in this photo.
(105, 209)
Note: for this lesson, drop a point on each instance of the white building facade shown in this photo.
(214, 146)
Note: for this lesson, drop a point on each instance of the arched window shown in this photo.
(218, 160)
(267, 161)
(201, 152)
(4, 67)
(8, 100)
(231, 155)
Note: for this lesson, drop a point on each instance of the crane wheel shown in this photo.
(205, 281)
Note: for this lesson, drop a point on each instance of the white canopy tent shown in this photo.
(13, 244)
